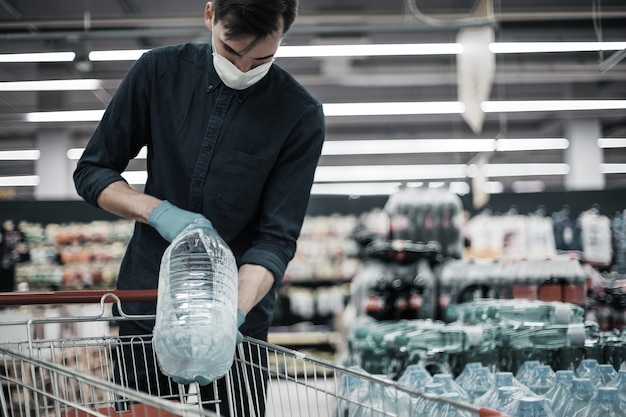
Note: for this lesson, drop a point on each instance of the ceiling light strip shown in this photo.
(318, 51)
(52, 85)
(20, 181)
(20, 155)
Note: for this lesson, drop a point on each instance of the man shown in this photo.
(230, 136)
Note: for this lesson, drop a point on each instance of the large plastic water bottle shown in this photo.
(196, 320)
(578, 398)
(605, 403)
(531, 407)
(560, 389)
(619, 382)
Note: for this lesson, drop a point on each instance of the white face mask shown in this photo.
(233, 77)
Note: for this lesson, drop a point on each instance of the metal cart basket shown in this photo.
(92, 376)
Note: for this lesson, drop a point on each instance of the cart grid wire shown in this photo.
(96, 376)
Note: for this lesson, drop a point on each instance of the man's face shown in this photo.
(240, 51)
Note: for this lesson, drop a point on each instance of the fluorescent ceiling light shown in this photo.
(65, 116)
(311, 51)
(76, 153)
(612, 142)
(51, 85)
(359, 173)
(535, 186)
(493, 187)
(386, 109)
(531, 144)
(369, 188)
(135, 177)
(20, 155)
(459, 187)
(38, 57)
(542, 47)
(117, 55)
(20, 181)
(613, 168)
(551, 105)
(315, 51)
(393, 146)
(520, 170)
(393, 108)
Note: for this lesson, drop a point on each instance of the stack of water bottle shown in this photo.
(536, 390)
(500, 339)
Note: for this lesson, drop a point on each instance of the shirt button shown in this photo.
(211, 87)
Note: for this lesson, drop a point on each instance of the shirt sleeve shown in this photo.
(119, 136)
(286, 195)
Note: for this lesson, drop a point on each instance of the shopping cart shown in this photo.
(94, 376)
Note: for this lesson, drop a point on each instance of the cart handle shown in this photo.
(75, 297)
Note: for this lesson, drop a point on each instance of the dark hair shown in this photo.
(256, 18)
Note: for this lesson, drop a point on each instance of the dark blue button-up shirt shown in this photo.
(245, 159)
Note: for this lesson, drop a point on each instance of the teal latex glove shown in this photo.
(241, 319)
(170, 220)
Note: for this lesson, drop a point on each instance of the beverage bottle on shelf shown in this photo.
(501, 379)
(526, 372)
(421, 406)
(605, 403)
(506, 399)
(531, 407)
(415, 376)
(604, 374)
(468, 372)
(356, 344)
(560, 389)
(619, 382)
(543, 380)
(450, 385)
(374, 355)
(587, 368)
(196, 319)
(578, 398)
(478, 384)
(446, 409)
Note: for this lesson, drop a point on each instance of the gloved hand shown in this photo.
(170, 220)
(241, 319)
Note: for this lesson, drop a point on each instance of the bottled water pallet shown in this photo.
(95, 376)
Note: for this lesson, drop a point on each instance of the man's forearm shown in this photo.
(254, 282)
(121, 199)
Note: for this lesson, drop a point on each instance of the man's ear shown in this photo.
(208, 15)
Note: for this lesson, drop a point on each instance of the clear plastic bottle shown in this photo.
(422, 405)
(478, 384)
(560, 389)
(450, 385)
(587, 368)
(604, 374)
(196, 320)
(619, 382)
(580, 394)
(531, 407)
(526, 372)
(415, 377)
(501, 379)
(605, 403)
(507, 398)
(467, 372)
(543, 380)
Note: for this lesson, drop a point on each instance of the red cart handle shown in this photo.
(75, 297)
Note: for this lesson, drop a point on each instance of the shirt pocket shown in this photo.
(242, 184)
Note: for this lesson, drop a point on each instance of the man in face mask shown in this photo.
(231, 137)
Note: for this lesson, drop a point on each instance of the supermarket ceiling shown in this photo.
(88, 26)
